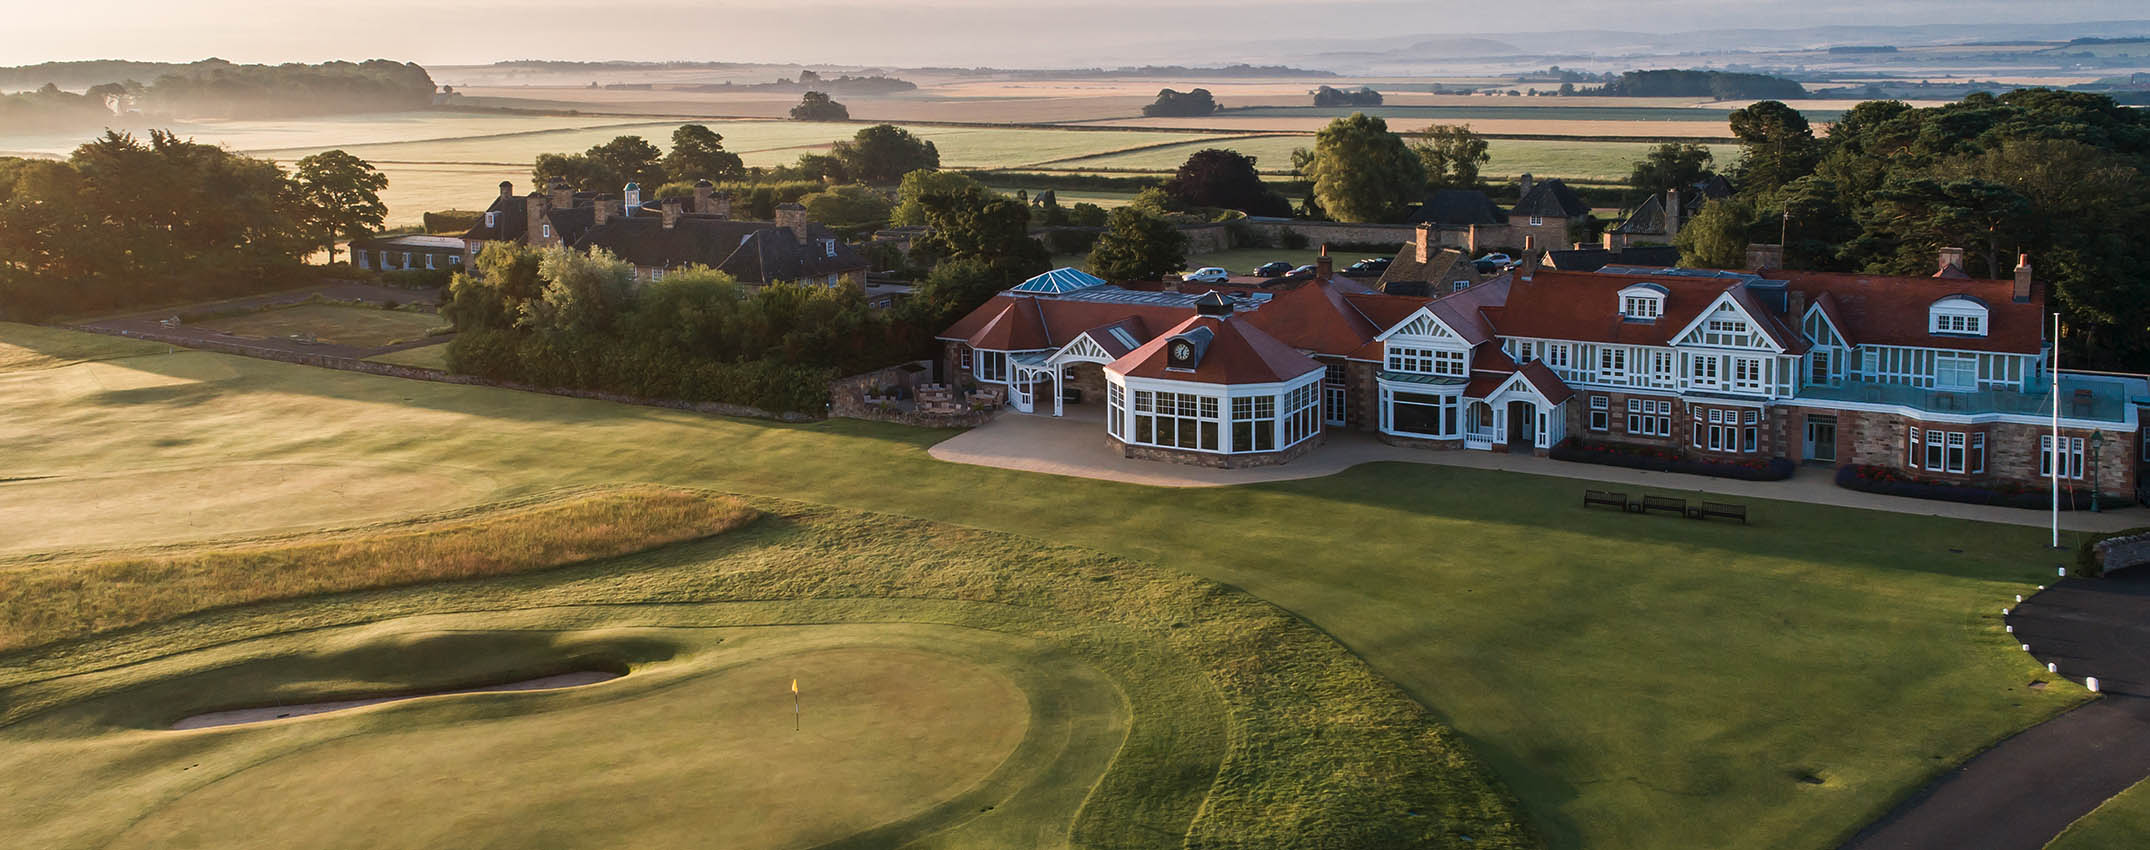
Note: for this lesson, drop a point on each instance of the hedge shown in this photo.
(1666, 460)
(1891, 482)
(642, 370)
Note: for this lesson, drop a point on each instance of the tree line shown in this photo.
(214, 88)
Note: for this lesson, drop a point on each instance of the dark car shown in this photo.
(1368, 268)
(1272, 270)
(1300, 273)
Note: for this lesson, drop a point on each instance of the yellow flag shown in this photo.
(794, 687)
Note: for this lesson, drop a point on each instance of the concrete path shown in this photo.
(1075, 446)
(2022, 793)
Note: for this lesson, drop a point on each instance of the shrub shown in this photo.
(1291, 239)
(1892, 482)
(1070, 241)
(1659, 459)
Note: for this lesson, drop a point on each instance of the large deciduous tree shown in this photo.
(698, 154)
(1451, 155)
(1717, 238)
(340, 197)
(1214, 177)
(976, 224)
(1363, 172)
(1670, 166)
(1137, 246)
(848, 209)
(883, 153)
(817, 106)
(911, 193)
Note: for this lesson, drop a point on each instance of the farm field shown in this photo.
(357, 327)
(1636, 683)
(1582, 161)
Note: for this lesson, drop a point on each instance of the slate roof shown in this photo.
(512, 219)
(1406, 267)
(1238, 353)
(775, 253)
(1550, 199)
(1648, 218)
(752, 251)
(1457, 208)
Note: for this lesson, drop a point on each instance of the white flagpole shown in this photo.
(2055, 459)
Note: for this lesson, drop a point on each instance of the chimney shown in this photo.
(1425, 243)
(792, 216)
(1530, 254)
(1324, 267)
(702, 190)
(2022, 293)
(507, 188)
(606, 207)
(671, 212)
(632, 193)
(1795, 305)
(1672, 213)
(562, 196)
(1524, 192)
(723, 203)
(1949, 257)
(535, 207)
(1761, 257)
(1610, 240)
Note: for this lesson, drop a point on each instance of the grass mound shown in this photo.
(1244, 727)
(45, 602)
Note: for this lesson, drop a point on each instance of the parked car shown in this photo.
(1499, 259)
(1272, 269)
(1372, 267)
(1209, 274)
(1300, 273)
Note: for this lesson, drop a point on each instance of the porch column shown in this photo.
(1056, 389)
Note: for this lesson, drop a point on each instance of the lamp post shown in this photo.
(2097, 438)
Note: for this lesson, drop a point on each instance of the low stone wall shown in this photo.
(1319, 232)
(847, 398)
(419, 373)
(1207, 238)
(2119, 553)
(1213, 460)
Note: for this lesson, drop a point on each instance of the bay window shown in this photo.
(1254, 424)
(1423, 414)
(1176, 420)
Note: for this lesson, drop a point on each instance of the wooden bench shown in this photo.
(1719, 509)
(1602, 497)
(1664, 503)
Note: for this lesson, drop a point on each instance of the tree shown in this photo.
(1777, 146)
(827, 168)
(698, 153)
(979, 225)
(910, 209)
(1137, 247)
(1214, 177)
(1670, 166)
(490, 294)
(578, 294)
(1363, 172)
(848, 209)
(574, 169)
(816, 106)
(339, 197)
(1362, 96)
(1173, 104)
(1451, 155)
(1718, 236)
(1916, 217)
(629, 159)
(883, 153)
(1086, 214)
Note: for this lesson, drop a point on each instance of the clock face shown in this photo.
(1182, 351)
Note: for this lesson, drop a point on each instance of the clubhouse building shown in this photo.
(1944, 378)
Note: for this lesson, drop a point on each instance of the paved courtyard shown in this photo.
(1074, 445)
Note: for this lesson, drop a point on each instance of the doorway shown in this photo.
(1821, 438)
(1522, 426)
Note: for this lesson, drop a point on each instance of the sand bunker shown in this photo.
(238, 716)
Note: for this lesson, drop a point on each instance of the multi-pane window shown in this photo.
(1746, 373)
(1426, 361)
(1254, 423)
(1956, 371)
(1115, 410)
(1649, 417)
(1612, 365)
(2069, 455)
(1600, 413)
(963, 359)
(1702, 370)
(1177, 420)
(1954, 452)
(1727, 430)
(1556, 355)
(1418, 413)
(1948, 323)
(1642, 307)
(1727, 332)
(991, 366)
(1301, 416)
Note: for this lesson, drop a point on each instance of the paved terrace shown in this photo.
(1075, 446)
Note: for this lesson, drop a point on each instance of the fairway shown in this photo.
(1636, 685)
(334, 324)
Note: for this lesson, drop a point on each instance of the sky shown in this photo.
(1008, 33)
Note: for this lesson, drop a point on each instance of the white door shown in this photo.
(1332, 404)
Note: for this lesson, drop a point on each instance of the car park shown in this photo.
(1208, 274)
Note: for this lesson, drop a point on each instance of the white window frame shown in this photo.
(1157, 411)
(1115, 410)
(2070, 455)
(1600, 413)
(1649, 417)
(1259, 414)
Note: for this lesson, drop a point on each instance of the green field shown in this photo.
(1714, 118)
(334, 324)
(425, 356)
(1637, 684)
(2121, 822)
(1577, 160)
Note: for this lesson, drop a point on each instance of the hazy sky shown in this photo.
(938, 32)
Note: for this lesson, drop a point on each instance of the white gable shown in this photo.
(1081, 349)
(1819, 329)
(1725, 325)
(1423, 325)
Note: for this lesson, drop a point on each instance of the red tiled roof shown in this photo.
(1385, 310)
(1315, 317)
(1584, 306)
(1884, 310)
(1014, 328)
(1482, 386)
(1547, 384)
(1105, 339)
(1238, 353)
(1057, 320)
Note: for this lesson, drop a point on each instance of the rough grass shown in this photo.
(28, 347)
(425, 357)
(339, 324)
(45, 602)
(1245, 727)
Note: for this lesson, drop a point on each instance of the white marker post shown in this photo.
(2091, 682)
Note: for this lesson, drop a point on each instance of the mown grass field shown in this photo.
(983, 691)
(1637, 684)
(339, 324)
(2121, 822)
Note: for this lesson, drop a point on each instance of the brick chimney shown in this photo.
(1948, 257)
(562, 196)
(1762, 257)
(606, 208)
(793, 217)
(1425, 243)
(535, 207)
(1672, 213)
(1324, 268)
(507, 188)
(1524, 190)
(1610, 240)
(1795, 305)
(703, 189)
(2023, 278)
(1530, 254)
(722, 201)
(671, 212)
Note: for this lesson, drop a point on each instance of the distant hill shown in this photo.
(1720, 85)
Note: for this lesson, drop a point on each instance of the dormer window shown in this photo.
(492, 219)
(1643, 302)
(1957, 315)
(828, 247)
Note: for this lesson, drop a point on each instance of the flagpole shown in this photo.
(2055, 456)
(794, 705)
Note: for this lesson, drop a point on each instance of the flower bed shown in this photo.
(1892, 482)
(1659, 459)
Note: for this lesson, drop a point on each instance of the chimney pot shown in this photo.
(563, 197)
(1324, 268)
(1425, 243)
(1524, 183)
(1672, 213)
(1948, 257)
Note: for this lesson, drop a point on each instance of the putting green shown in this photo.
(909, 731)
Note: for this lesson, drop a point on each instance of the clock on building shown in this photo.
(1182, 351)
